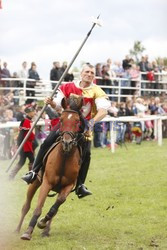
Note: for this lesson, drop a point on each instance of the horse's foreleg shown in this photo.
(53, 210)
(30, 194)
(44, 190)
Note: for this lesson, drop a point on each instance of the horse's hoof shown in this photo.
(26, 236)
(45, 234)
(41, 224)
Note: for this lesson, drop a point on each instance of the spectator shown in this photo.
(144, 67)
(139, 127)
(19, 113)
(118, 69)
(5, 73)
(55, 73)
(32, 74)
(148, 128)
(106, 79)
(164, 77)
(97, 134)
(147, 63)
(23, 73)
(126, 63)
(125, 83)
(121, 126)
(7, 116)
(98, 73)
(129, 112)
(16, 84)
(69, 77)
(113, 110)
(134, 73)
(8, 100)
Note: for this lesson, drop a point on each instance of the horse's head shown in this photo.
(70, 123)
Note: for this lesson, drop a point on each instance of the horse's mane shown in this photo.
(74, 102)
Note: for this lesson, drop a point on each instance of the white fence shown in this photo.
(156, 118)
(43, 88)
(157, 126)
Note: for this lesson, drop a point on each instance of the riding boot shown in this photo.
(83, 170)
(81, 190)
(38, 163)
(14, 171)
(32, 174)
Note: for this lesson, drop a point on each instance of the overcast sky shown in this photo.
(49, 30)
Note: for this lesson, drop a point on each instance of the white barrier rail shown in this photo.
(156, 118)
(16, 124)
(42, 88)
(157, 125)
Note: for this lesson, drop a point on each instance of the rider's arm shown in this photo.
(56, 102)
(101, 113)
(50, 102)
(102, 106)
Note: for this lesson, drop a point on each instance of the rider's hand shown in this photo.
(88, 133)
(90, 124)
(50, 101)
(89, 128)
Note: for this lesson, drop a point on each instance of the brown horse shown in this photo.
(61, 171)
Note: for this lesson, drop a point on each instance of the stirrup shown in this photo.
(82, 191)
(29, 177)
(33, 173)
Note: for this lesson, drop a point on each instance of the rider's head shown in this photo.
(87, 74)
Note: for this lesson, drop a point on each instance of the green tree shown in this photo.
(137, 50)
(161, 61)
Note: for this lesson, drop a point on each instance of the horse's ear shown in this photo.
(64, 103)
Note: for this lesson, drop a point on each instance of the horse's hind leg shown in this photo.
(26, 207)
(53, 210)
(44, 190)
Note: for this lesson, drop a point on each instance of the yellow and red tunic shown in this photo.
(94, 97)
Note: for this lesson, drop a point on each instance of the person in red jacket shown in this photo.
(28, 149)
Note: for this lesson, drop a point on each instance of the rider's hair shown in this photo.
(87, 65)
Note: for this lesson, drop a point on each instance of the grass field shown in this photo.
(127, 211)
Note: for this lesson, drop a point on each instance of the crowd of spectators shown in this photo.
(128, 70)
(31, 73)
(130, 131)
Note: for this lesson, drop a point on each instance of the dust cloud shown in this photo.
(8, 211)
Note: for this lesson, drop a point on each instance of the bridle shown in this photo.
(73, 141)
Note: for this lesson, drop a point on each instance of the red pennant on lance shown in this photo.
(0, 4)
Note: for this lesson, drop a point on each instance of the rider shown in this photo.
(93, 110)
